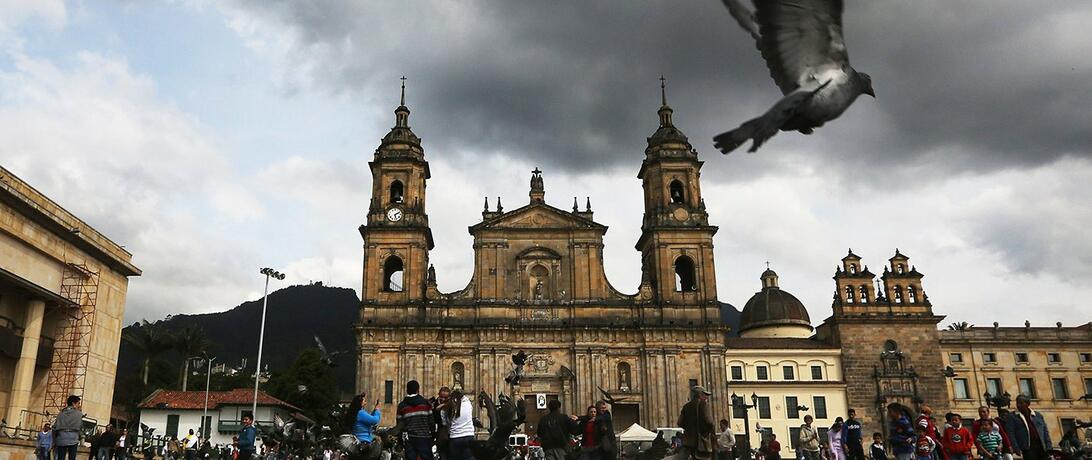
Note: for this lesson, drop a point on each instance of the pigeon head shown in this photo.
(866, 84)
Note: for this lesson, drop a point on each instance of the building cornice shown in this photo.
(34, 205)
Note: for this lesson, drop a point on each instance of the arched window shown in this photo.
(898, 294)
(397, 191)
(392, 274)
(678, 195)
(900, 268)
(912, 294)
(864, 294)
(625, 382)
(849, 294)
(457, 373)
(853, 268)
(539, 284)
(685, 277)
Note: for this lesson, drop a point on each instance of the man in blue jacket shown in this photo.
(902, 433)
(851, 437)
(247, 436)
(1027, 430)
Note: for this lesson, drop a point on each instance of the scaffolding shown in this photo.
(68, 371)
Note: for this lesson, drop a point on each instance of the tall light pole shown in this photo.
(739, 404)
(268, 272)
(205, 430)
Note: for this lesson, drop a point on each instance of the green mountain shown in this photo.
(295, 315)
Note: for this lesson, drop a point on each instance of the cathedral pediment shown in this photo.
(537, 216)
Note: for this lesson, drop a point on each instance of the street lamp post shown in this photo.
(737, 402)
(268, 272)
(205, 430)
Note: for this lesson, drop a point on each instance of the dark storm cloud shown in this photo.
(965, 85)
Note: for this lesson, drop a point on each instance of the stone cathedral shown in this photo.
(539, 286)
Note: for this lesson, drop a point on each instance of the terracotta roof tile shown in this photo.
(196, 399)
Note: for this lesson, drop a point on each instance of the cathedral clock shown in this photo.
(394, 214)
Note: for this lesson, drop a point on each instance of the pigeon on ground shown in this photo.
(802, 43)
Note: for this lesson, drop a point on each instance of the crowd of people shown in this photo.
(61, 439)
(443, 426)
(445, 422)
(1021, 432)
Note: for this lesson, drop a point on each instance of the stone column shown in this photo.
(24, 368)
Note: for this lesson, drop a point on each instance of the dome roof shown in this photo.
(773, 307)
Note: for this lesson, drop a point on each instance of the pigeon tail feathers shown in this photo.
(760, 129)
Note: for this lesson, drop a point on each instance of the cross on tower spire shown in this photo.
(403, 90)
(663, 90)
(665, 111)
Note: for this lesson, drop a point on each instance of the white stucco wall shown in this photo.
(191, 419)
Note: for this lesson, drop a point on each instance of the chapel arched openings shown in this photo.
(897, 291)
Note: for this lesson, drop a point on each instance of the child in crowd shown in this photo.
(877, 451)
(957, 439)
(988, 441)
(924, 447)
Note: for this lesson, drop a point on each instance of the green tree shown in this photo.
(189, 342)
(308, 384)
(150, 340)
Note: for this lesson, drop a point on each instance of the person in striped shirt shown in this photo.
(988, 441)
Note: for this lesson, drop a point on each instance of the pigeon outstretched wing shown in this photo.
(802, 44)
(801, 40)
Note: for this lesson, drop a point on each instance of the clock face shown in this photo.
(394, 214)
(681, 214)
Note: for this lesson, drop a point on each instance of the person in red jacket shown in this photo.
(957, 440)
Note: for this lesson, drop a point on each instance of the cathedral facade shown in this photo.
(539, 287)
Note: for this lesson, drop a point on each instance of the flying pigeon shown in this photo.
(327, 357)
(608, 398)
(802, 43)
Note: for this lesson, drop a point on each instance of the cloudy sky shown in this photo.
(213, 138)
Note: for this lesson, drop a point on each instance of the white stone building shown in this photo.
(174, 413)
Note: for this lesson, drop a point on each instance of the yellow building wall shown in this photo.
(1069, 343)
(777, 388)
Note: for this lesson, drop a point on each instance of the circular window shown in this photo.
(890, 345)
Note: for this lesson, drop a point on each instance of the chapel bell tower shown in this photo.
(676, 240)
(396, 236)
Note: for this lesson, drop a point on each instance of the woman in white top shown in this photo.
(458, 416)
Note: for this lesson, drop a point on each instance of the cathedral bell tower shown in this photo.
(676, 240)
(396, 236)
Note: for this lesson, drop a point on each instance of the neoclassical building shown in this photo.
(62, 302)
(790, 374)
(539, 286)
(1052, 365)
